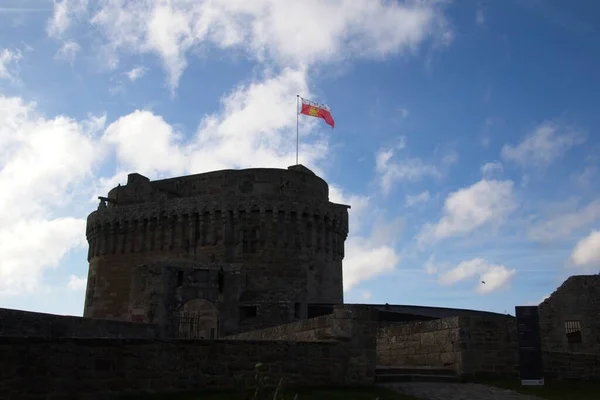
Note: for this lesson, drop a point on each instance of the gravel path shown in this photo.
(456, 391)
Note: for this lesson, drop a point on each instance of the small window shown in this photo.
(248, 312)
(297, 310)
(573, 331)
(179, 278)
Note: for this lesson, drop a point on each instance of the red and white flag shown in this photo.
(317, 110)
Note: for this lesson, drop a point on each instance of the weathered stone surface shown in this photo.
(419, 343)
(489, 346)
(32, 324)
(94, 368)
(577, 299)
(563, 365)
(277, 239)
(473, 346)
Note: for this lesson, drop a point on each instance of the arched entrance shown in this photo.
(198, 319)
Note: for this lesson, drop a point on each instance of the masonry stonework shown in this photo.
(67, 368)
(262, 247)
(472, 346)
(574, 309)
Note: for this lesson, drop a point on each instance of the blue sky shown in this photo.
(465, 141)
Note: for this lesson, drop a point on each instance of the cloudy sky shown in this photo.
(466, 137)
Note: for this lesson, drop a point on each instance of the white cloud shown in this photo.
(366, 295)
(479, 17)
(586, 253)
(563, 225)
(253, 124)
(136, 73)
(365, 259)
(366, 255)
(64, 12)
(404, 170)
(77, 283)
(142, 140)
(319, 32)
(491, 169)
(40, 162)
(403, 113)
(585, 177)
(412, 200)
(485, 202)
(491, 277)
(68, 51)
(546, 144)
(431, 268)
(9, 61)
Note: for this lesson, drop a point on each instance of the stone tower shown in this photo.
(240, 249)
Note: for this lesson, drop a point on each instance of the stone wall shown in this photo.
(56, 368)
(426, 343)
(32, 324)
(472, 346)
(576, 300)
(562, 365)
(308, 330)
(489, 346)
(355, 324)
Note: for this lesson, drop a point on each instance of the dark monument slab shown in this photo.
(530, 346)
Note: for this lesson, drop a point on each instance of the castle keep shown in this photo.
(217, 253)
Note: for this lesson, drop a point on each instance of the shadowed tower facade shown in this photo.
(229, 250)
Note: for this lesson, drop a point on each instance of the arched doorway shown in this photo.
(198, 319)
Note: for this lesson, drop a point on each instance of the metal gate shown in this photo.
(190, 326)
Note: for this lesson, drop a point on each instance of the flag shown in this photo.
(317, 110)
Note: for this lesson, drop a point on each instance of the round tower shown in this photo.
(274, 229)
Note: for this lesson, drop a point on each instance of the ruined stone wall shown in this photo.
(33, 368)
(424, 343)
(576, 300)
(32, 324)
(278, 224)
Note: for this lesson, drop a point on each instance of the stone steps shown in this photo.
(414, 374)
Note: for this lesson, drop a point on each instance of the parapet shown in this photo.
(296, 181)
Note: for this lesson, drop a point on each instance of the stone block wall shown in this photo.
(424, 343)
(489, 346)
(96, 368)
(349, 323)
(472, 346)
(577, 300)
(308, 330)
(33, 324)
(563, 365)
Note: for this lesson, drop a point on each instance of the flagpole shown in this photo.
(297, 113)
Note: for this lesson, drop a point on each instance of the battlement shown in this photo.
(297, 181)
